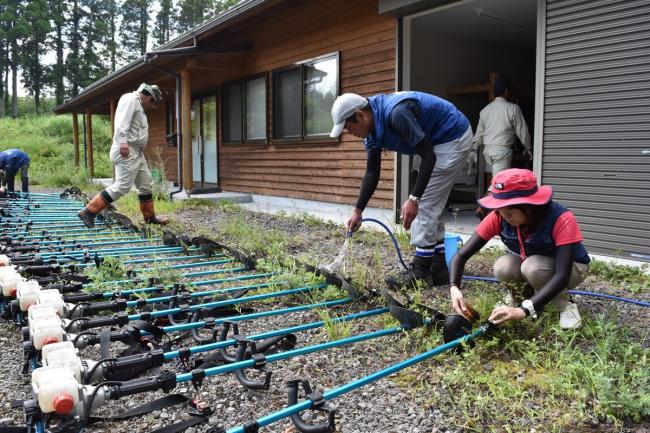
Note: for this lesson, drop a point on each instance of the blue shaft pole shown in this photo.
(217, 304)
(180, 378)
(194, 284)
(336, 392)
(278, 332)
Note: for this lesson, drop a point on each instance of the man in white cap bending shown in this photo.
(130, 138)
(412, 123)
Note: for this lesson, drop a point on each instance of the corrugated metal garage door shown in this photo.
(596, 150)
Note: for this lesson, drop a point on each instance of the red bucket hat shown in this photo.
(516, 186)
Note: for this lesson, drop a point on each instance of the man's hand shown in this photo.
(528, 155)
(354, 222)
(457, 300)
(504, 313)
(124, 150)
(409, 212)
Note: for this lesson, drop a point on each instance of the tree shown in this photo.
(223, 5)
(134, 29)
(57, 72)
(111, 43)
(193, 12)
(36, 24)
(75, 41)
(163, 26)
(4, 57)
(95, 28)
(14, 32)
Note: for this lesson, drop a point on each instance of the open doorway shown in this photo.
(456, 52)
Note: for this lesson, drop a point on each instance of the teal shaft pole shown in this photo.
(336, 392)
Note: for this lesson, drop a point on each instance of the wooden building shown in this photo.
(256, 88)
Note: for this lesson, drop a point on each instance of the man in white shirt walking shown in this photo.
(130, 138)
(500, 121)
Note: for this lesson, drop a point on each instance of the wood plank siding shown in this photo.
(280, 36)
(157, 152)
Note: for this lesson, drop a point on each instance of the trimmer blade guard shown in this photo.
(455, 327)
(408, 319)
(337, 280)
(390, 299)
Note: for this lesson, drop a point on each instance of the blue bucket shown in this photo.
(451, 247)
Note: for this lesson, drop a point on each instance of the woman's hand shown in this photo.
(457, 300)
(504, 313)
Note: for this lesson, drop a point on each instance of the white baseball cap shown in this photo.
(152, 90)
(344, 107)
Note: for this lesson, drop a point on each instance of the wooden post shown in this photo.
(491, 80)
(113, 108)
(75, 138)
(186, 127)
(89, 142)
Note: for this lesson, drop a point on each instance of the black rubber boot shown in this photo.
(25, 183)
(420, 271)
(87, 217)
(439, 270)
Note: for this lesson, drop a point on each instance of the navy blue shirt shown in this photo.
(12, 159)
(418, 115)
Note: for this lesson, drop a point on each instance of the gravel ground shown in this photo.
(383, 406)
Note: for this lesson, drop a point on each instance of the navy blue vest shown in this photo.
(440, 120)
(541, 242)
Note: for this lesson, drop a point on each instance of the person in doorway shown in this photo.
(12, 161)
(130, 138)
(544, 244)
(500, 122)
(412, 123)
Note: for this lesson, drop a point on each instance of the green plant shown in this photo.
(111, 269)
(48, 141)
(333, 326)
(635, 278)
(597, 373)
(228, 206)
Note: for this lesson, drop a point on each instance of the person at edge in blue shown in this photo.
(411, 123)
(544, 248)
(12, 161)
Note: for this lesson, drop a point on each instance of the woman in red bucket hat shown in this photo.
(544, 248)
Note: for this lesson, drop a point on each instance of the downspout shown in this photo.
(177, 109)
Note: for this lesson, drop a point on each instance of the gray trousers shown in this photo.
(537, 271)
(429, 224)
(129, 171)
(498, 158)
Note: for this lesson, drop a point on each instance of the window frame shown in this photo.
(320, 138)
(242, 82)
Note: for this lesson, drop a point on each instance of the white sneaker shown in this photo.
(570, 317)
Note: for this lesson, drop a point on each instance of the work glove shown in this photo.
(473, 158)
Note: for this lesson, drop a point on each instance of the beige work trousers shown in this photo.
(129, 171)
(497, 158)
(537, 271)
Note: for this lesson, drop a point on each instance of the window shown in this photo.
(243, 111)
(303, 98)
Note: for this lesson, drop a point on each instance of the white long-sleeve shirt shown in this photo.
(131, 124)
(499, 122)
